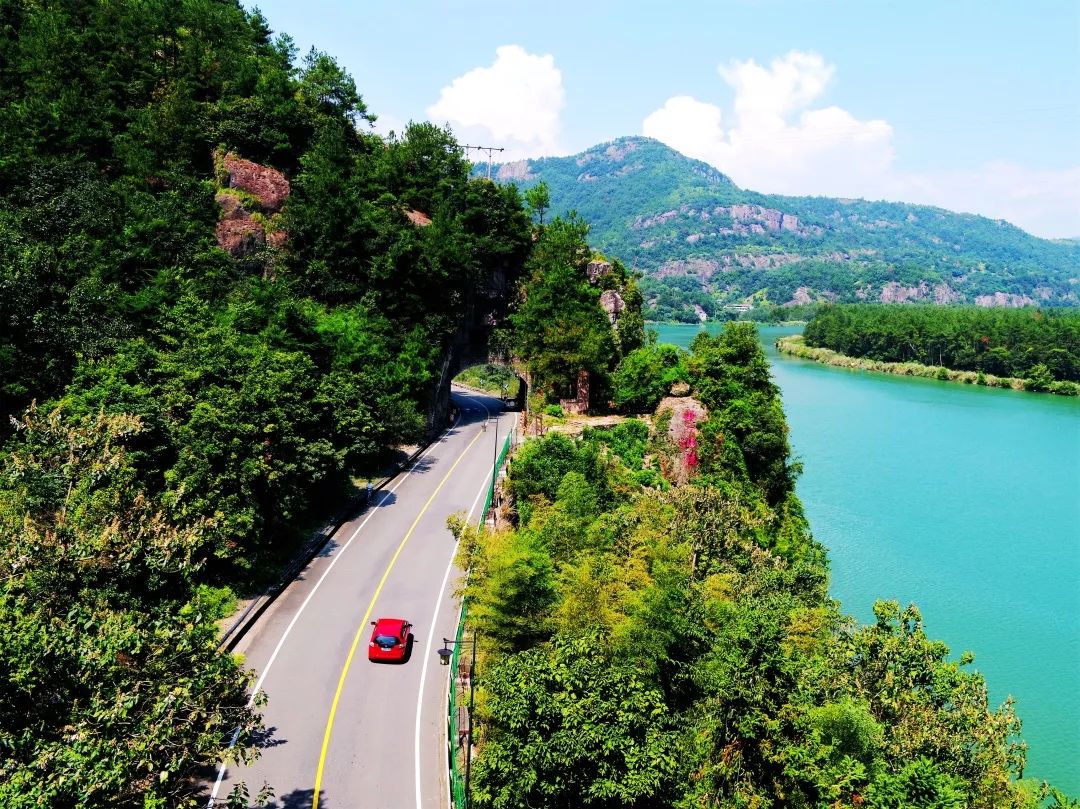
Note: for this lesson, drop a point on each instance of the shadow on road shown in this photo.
(298, 799)
(384, 498)
(267, 738)
(423, 465)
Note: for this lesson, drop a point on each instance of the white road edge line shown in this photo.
(431, 637)
(258, 684)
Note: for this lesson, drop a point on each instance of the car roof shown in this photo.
(389, 625)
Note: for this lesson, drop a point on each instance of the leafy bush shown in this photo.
(645, 376)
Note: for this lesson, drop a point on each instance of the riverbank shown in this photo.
(796, 347)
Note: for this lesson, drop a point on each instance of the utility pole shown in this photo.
(495, 466)
(489, 149)
(472, 706)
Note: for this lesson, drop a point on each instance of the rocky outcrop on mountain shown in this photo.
(683, 415)
(418, 218)
(516, 172)
(945, 294)
(266, 185)
(729, 220)
(1004, 299)
(237, 233)
(669, 216)
(613, 305)
(250, 200)
(597, 270)
(893, 292)
(801, 296)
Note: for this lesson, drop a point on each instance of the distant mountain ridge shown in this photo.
(703, 242)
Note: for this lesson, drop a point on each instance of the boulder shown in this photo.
(612, 303)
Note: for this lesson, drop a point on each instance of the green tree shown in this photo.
(645, 375)
(566, 725)
(559, 328)
(115, 694)
(538, 198)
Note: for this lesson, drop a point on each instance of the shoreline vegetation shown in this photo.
(665, 569)
(794, 345)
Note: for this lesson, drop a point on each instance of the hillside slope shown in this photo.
(701, 240)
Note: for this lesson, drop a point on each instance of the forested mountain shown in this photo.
(701, 240)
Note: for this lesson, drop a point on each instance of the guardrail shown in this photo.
(457, 742)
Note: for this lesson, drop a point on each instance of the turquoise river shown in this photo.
(963, 500)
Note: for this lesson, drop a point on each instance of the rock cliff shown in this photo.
(250, 199)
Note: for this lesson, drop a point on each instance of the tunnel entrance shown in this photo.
(495, 379)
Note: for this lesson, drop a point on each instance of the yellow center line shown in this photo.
(363, 624)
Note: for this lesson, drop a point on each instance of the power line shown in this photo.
(490, 151)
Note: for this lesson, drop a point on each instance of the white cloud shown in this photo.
(774, 143)
(515, 103)
(386, 123)
(778, 142)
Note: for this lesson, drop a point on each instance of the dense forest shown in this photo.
(655, 628)
(560, 327)
(222, 298)
(702, 241)
(193, 365)
(1034, 344)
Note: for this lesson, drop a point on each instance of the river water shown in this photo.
(963, 500)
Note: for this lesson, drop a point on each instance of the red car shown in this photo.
(389, 639)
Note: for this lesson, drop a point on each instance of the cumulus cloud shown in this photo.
(774, 143)
(515, 103)
(777, 141)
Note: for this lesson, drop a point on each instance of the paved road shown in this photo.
(345, 732)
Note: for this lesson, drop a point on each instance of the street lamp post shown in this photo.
(495, 457)
(445, 653)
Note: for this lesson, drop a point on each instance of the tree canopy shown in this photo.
(680, 647)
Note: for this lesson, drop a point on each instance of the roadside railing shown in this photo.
(458, 741)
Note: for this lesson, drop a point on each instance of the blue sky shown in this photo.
(973, 106)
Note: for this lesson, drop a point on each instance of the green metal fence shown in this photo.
(455, 751)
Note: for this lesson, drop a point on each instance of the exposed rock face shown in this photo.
(765, 218)
(652, 221)
(597, 270)
(706, 268)
(517, 171)
(267, 185)
(893, 292)
(703, 267)
(612, 303)
(744, 221)
(686, 415)
(418, 218)
(249, 185)
(238, 237)
(801, 295)
(945, 294)
(1004, 299)
(617, 151)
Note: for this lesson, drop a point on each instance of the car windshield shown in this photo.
(385, 640)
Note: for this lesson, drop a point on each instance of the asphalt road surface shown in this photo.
(343, 732)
